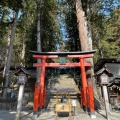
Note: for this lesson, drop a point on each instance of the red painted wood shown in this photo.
(59, 65)
(39, 97)
(44, 102)
(68, 56)
(81, 96)
(36, 96)
(80, 56)
(91, 99)
(84, 90)
(42, 77)
(45, 56)
(84, 81)
(87, 97)
(45, 96)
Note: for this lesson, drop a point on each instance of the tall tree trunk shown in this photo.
(89, 37)
(9, 56)
(89, 31)
(38, 37)
(85, 37)
(84, 28)
(81, 25)
(23, 54)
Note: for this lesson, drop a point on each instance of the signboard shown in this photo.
(73, 103)
(104, 79)
(21, 78)
(62, 59)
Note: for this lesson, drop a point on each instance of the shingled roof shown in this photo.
(100, 63)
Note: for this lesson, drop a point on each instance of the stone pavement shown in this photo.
(80, 115)
(49, 114)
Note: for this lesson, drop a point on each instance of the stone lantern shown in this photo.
(103, 80)
(22, 79)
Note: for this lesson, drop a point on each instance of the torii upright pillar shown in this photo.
(87, 92)
(42, 86)
(84, 85)
(40, 92)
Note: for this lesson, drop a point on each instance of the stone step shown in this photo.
(62, 82)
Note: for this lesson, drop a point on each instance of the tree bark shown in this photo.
(84, 28)
(81, 25)
(9, 56)
(89, 42)
(85, 36)
(38, 38)
(89, 33)
(23, 54)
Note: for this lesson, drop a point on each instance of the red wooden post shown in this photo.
(39, 97)
(43, 97)
(40, 93)
(84, 83)
(59, 65)
(44, 101)
(91, 101)
(36, 96)
(81, 96)
(42, 77)
(87, 97)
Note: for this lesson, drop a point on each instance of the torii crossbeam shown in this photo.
(87, 97)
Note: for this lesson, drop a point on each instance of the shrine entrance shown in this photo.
(87, 96)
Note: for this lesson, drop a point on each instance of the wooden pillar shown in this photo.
(87, 97)
(81, 90)
(84, 84)
(44, 98)
(20, 100)
(36, 97)
(91, 102)
(39, 97)
(107, 107)
(91, 99)
(90, 93)
(42, 77)
(56, 104)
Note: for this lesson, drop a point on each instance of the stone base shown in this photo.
(92, 115)
(17, 117)
(35, 115)
(85, 109)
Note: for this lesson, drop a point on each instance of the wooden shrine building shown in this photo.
(111, 66)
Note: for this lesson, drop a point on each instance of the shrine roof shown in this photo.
(100, 63)
(105, 70)
(22, 69)
(63, 53)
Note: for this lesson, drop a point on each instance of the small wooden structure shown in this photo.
(22, 79)
(111, 66)
(114, 93)
(63, 104)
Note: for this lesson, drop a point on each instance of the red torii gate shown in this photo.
(87, 97)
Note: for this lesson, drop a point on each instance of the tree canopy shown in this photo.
(58, 27)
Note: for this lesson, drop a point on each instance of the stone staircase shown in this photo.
(63, 81)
